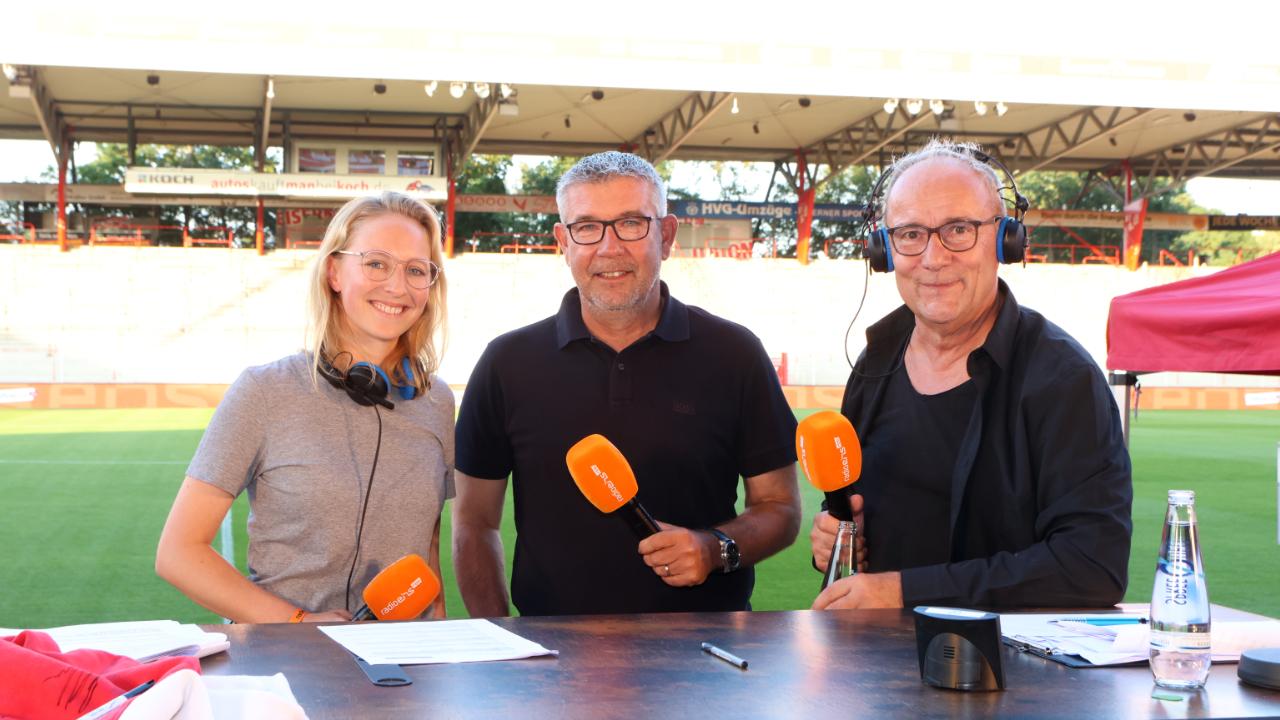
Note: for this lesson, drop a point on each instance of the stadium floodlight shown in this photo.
(936, 107)
(914, 106)
(482, 89)
(1001, 109)
(980, 107)
(891, 105)
(457, 88)
(21, 78)
(431, 87)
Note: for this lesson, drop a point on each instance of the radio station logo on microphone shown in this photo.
(844, 458)
(413, 587)
(604, 477)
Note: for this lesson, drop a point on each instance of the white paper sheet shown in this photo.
(1119, 644)
(427, 642)
(141, 640)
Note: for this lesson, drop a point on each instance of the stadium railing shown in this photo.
(543, 242)
(28, 234)
(117, 233)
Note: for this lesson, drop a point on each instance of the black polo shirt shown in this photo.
(693, 406)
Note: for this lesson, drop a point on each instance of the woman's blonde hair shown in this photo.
(423, 343)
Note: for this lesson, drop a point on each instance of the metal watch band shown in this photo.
(726, 564)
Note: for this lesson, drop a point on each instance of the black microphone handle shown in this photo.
(642, 523)
(364, 613)
(838, 504)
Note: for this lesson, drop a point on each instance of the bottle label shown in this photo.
(1163, 640)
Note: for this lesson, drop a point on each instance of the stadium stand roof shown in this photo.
(1182, 105)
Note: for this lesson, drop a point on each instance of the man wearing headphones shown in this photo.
(994, 470)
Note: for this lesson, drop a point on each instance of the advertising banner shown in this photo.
(201, 181)
(545, 204)
(1244, 222)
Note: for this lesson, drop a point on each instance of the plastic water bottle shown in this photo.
(843, 563)
(1180, 653)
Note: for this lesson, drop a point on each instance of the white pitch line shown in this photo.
(4, 461)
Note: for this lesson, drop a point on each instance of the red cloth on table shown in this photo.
(37, 680)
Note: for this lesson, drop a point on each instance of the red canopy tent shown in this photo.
(1225, 322)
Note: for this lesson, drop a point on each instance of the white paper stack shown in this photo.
(141, 640)
(1057, 634)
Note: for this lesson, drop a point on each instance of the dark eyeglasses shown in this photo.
(956, 236)
(378, 265)
(628, 229)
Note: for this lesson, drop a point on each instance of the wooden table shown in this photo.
(803, 664)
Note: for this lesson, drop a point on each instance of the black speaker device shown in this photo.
(959, 649)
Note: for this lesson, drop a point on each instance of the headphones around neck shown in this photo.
(1011, 233)
(368, 384)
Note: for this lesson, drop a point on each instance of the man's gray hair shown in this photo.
(966, 153)
(608, 165)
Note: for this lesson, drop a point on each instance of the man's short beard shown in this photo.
(634, 302)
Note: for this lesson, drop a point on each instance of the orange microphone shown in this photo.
(402, 591)
(831, 456)
(604, 476)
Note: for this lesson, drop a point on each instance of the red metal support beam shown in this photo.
(805, 193)
(62, 199)
(450, 209)
(258, 238)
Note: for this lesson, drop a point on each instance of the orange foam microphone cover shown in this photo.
(402, 591)
(605, 478)
(601, 472)
(831, 456)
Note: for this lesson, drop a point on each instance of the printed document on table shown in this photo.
(141, 640)
(434, 641)
(1056, 635)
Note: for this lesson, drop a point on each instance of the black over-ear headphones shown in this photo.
(368, 384)
(1011, 233)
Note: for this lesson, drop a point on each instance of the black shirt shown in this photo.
(693, 405)
(1040, 485)
(920, 495)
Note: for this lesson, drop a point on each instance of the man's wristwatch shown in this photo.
(729, 555)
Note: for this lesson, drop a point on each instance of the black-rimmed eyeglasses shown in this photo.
(628, 229)
(378, 265)
(956, 236)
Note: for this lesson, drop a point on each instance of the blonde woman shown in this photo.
(345, 449)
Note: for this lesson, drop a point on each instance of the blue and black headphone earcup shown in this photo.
(367, 384)
(408, 391)
(1011, 240)
(878, 254)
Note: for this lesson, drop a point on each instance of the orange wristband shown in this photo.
(298, 615)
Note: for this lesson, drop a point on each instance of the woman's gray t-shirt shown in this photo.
(304, 454)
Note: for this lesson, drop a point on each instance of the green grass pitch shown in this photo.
(84, 493)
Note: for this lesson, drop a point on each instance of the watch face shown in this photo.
(731, 555)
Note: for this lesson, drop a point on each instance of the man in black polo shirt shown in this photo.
(690, 399)
(994, 470)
